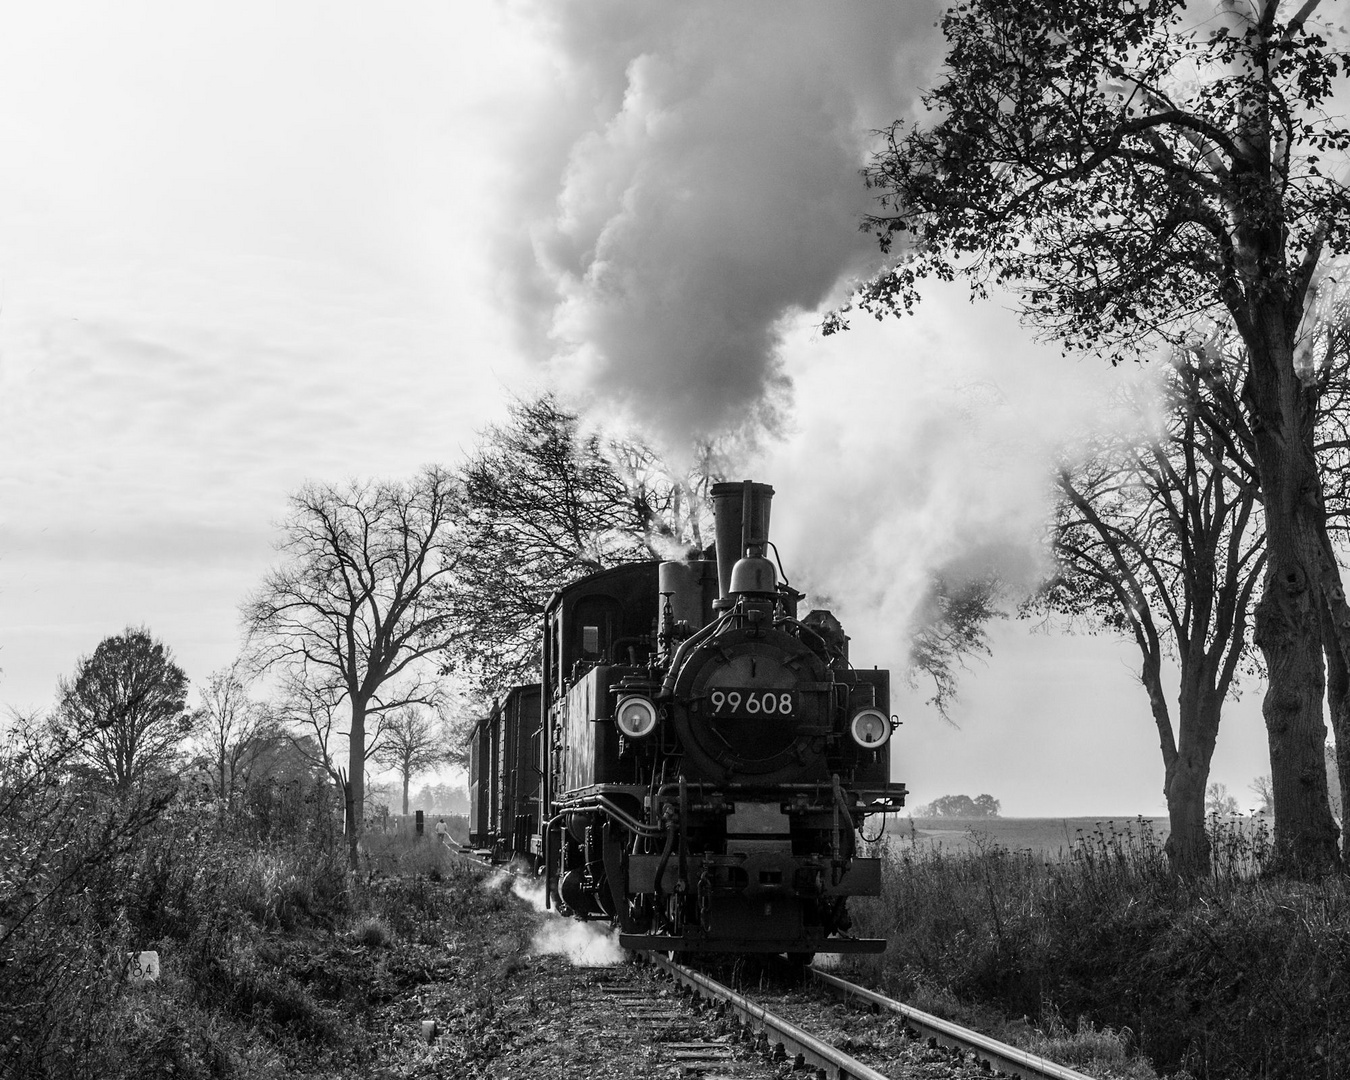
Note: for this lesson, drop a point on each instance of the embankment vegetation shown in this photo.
(1233, 976)
(275, 959)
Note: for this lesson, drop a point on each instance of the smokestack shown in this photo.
(741, 521)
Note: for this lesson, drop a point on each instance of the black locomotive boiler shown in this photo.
(701, 760)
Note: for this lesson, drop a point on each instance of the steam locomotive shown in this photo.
(698, 762)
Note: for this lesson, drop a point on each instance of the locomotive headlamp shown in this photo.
(870, 728)
(636, 717)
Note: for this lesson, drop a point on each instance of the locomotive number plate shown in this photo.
(736, 704)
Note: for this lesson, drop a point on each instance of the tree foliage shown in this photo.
(1116, 163)
(549, 502)
(124, 711)
(961, 806)
(950, 625)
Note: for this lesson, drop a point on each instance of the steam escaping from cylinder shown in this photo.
(585, 944)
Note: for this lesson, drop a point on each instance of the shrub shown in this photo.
(372, 933)
(1232, 977)
(86, 877)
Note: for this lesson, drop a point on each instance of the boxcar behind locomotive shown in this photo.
(504, 775)
(706, 757)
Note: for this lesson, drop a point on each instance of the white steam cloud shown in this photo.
(938, 460)
(585, 944)
(700, 165)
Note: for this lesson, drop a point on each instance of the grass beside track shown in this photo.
(1237, 976)
(275, 960)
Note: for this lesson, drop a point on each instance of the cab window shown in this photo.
(595, 623)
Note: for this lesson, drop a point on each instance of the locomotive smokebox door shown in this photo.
(756, 706)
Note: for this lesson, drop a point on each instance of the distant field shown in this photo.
(1043, 835)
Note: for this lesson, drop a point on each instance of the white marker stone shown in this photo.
(143, 967)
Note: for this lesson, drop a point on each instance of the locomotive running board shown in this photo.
(667, 943)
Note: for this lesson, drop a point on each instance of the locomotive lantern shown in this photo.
(707, 758)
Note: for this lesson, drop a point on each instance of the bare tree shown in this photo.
(1158, 537)
(1128, 167)
(365, 596)
(1218, 803)
(124, 712)
(1265, 800)
(412, 743)
(233, 727)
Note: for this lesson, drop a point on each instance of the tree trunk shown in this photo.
(1199, 709)
(1288, 627)
(356, 780)
(1185, 770)
(1305, 834)
(407, 777)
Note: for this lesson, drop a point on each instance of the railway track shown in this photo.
(906, 1037)
(708, 1029)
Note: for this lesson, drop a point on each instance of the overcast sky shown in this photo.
(245, 245)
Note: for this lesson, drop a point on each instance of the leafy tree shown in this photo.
(286, 766)
(549, 503)
(961, 806)
(987, 806)
(1158, 537)
(412, 743)
(235, 729)
(1128, 167)
(124, 712)
(365, 595)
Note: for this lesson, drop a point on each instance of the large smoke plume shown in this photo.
(700, 166)
(693, 203)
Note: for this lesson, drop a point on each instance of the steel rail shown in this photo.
(1000, 1056)
(831, 1062)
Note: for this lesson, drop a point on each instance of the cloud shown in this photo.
(701, 185)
